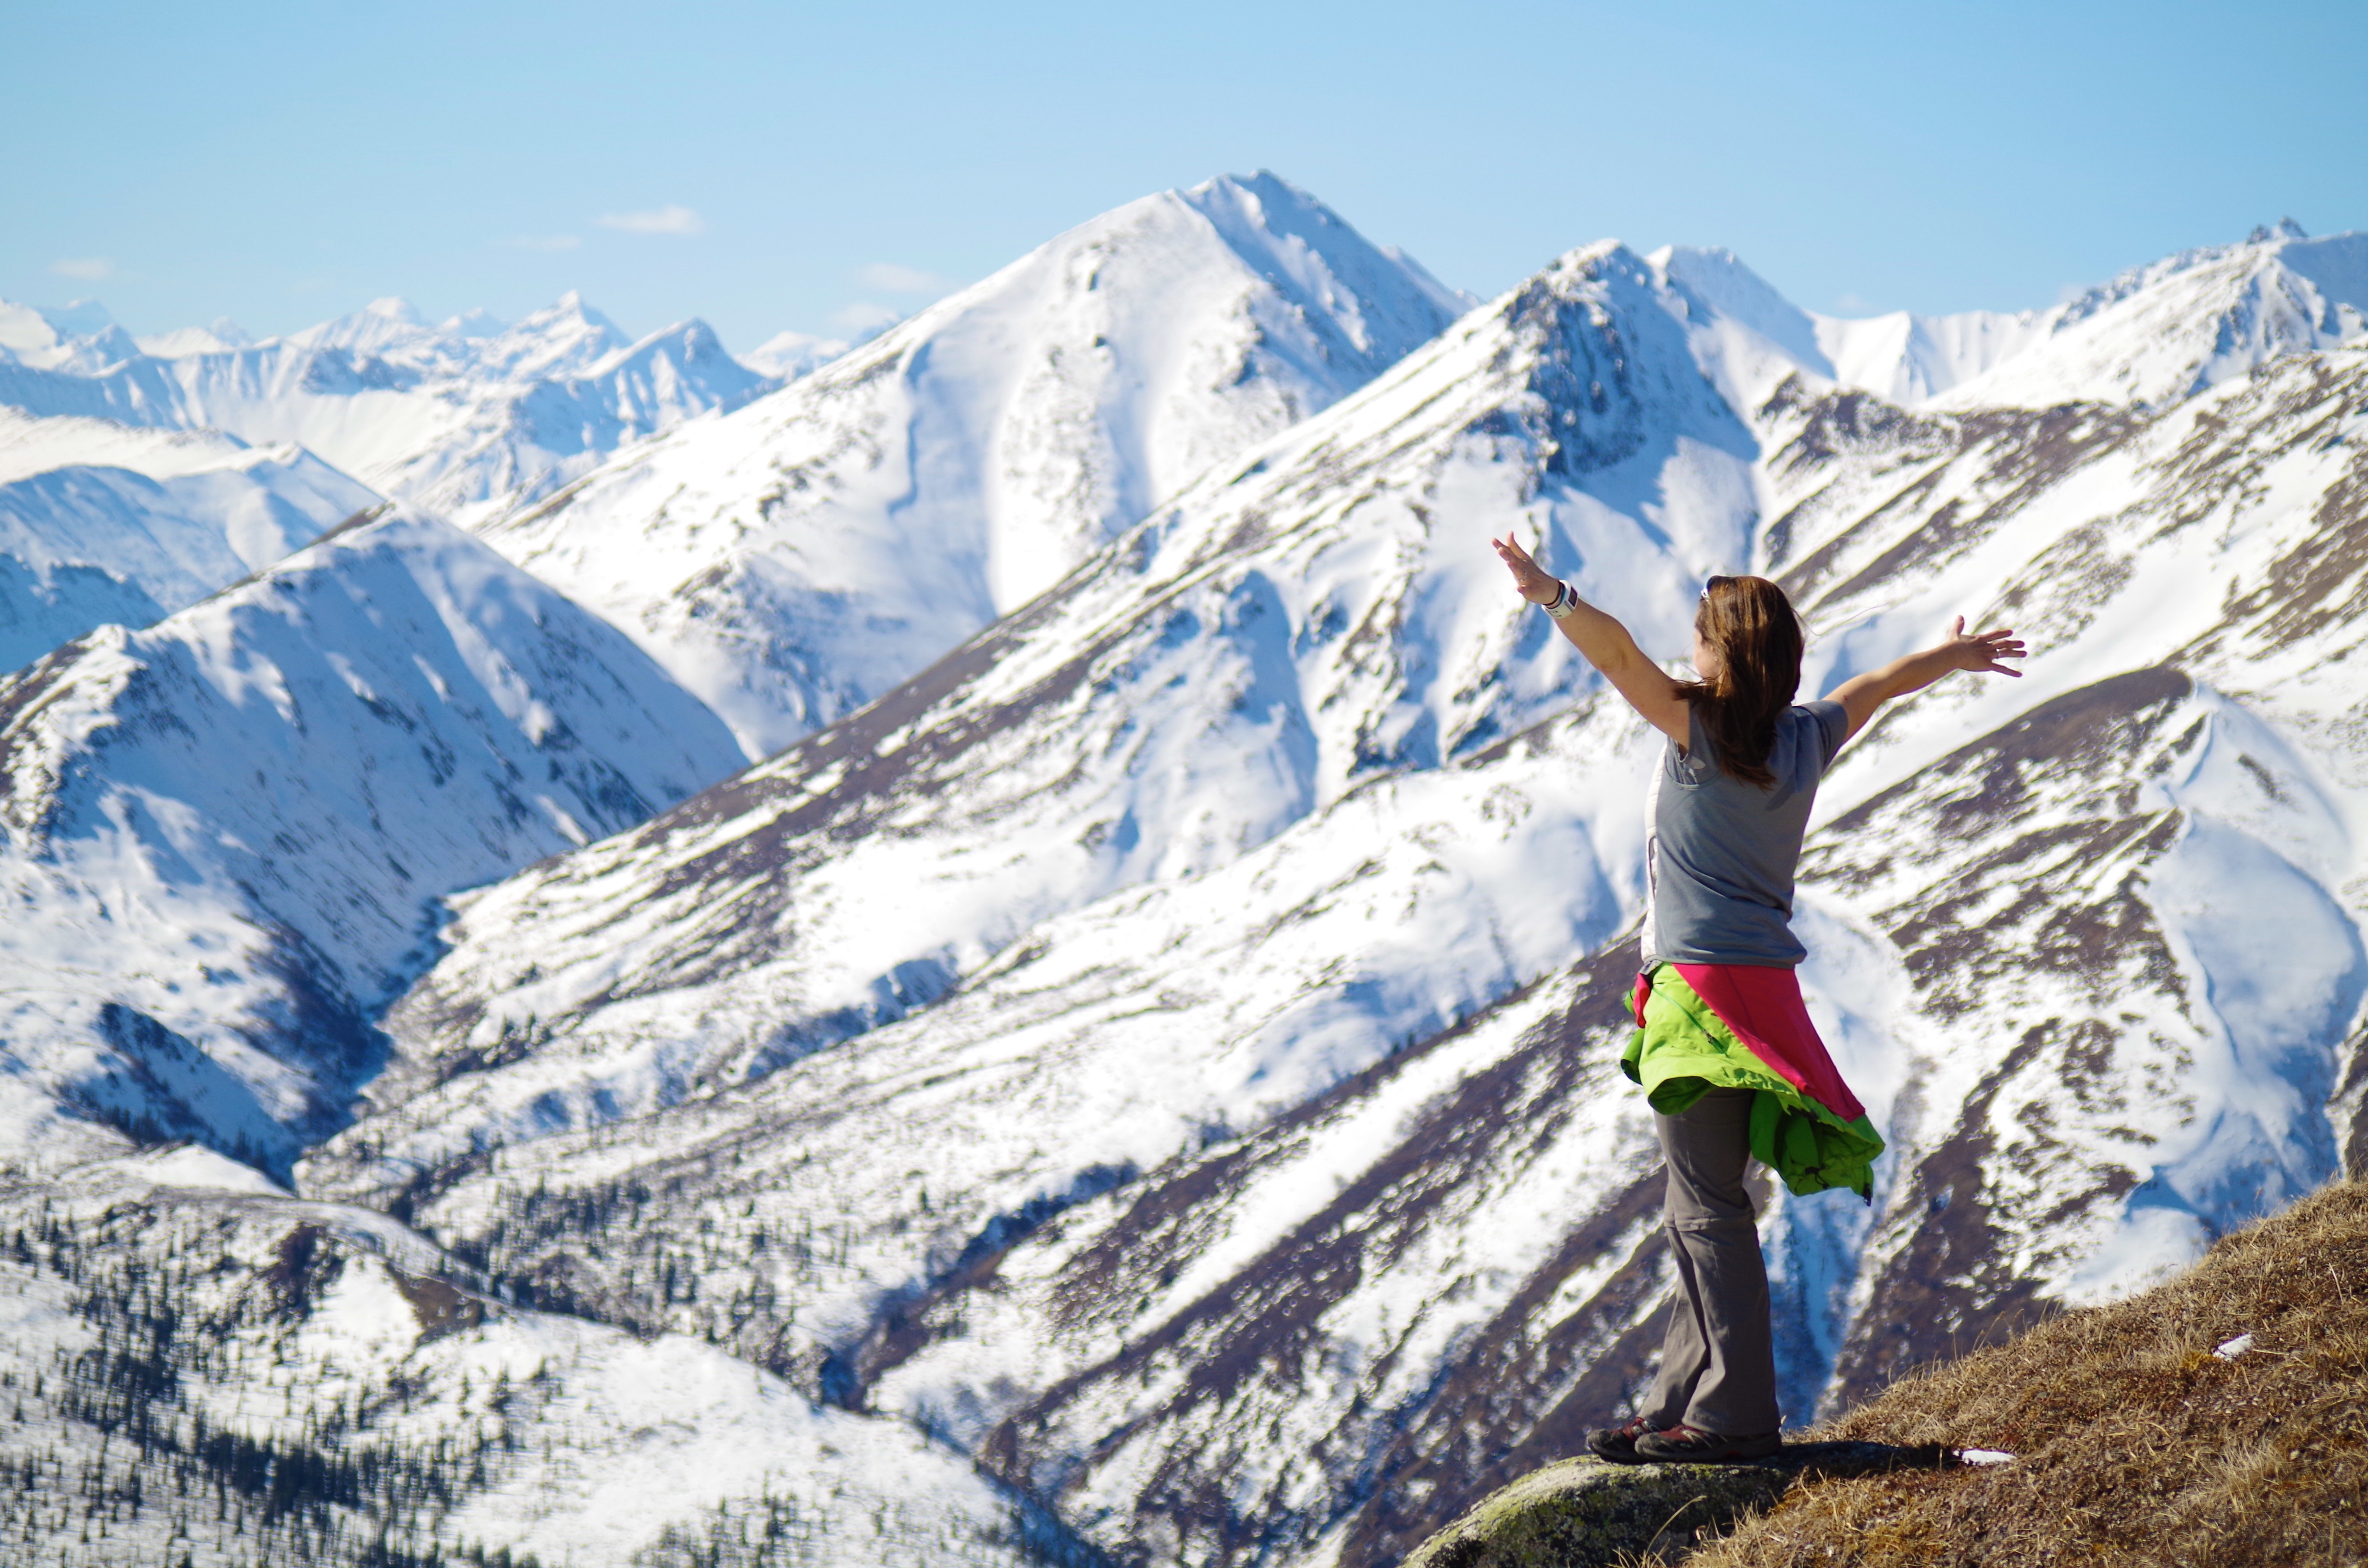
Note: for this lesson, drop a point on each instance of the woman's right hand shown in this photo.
(1528, 575)
(1606, 644)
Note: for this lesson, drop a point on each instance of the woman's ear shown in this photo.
(1705, 658)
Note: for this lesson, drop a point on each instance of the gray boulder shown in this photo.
(1579, 1513)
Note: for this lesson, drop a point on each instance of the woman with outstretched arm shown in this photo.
(1723, 1047)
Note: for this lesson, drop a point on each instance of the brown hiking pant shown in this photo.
(1718, 1359)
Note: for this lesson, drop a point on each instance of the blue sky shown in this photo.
(785, 166)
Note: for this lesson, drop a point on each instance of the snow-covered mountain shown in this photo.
(468, 418)
(80, 337)
(101, 522)
(221, 335)
(1176, 978)
(1298, 624)
(796, 559)
(2161, 333)
(2151, 336)
(786, 356)
(225, 836)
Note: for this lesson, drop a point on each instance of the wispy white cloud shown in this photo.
(88, 268)
(540, 242)
(656, 220)
(1856, 306)
(893, 278)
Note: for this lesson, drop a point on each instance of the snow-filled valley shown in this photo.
(1135, 1081)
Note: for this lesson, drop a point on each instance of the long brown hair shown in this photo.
(1750, 624)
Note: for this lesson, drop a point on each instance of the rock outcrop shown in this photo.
(1579, 1513)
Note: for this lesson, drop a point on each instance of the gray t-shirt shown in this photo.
(1718, 867)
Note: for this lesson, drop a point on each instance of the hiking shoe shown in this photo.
(1618, 1444)
(1692, 1444)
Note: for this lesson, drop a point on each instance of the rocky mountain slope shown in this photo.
(207, 1371)
(1144, 1049)
(796, 559)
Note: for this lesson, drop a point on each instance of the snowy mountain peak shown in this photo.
(564, 338)
(797, 558)
(2149, 337)
(786, 356)
(1267, 220)
(569, 312)
(477, 322)
(1607, 364)
(2167, 330)
(468, 416)
(1719, 275)
(221, 335)
(79, 337)
(103, 522)
(387, 329)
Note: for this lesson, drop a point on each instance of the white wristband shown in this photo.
(1565, 603)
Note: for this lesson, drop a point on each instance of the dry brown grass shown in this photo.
(2135, 1443)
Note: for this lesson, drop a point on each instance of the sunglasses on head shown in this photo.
(1714, 583)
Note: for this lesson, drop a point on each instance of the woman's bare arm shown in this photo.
(1607, 644)
(1861, 694)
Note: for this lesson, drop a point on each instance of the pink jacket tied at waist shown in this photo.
(1763, 1006)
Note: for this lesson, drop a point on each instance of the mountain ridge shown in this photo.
(946, 472)
(410, 715)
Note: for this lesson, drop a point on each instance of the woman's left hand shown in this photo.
(1980, 654)
(1528, 575)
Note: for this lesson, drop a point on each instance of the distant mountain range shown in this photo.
(467, 418)
(1144, 1052)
